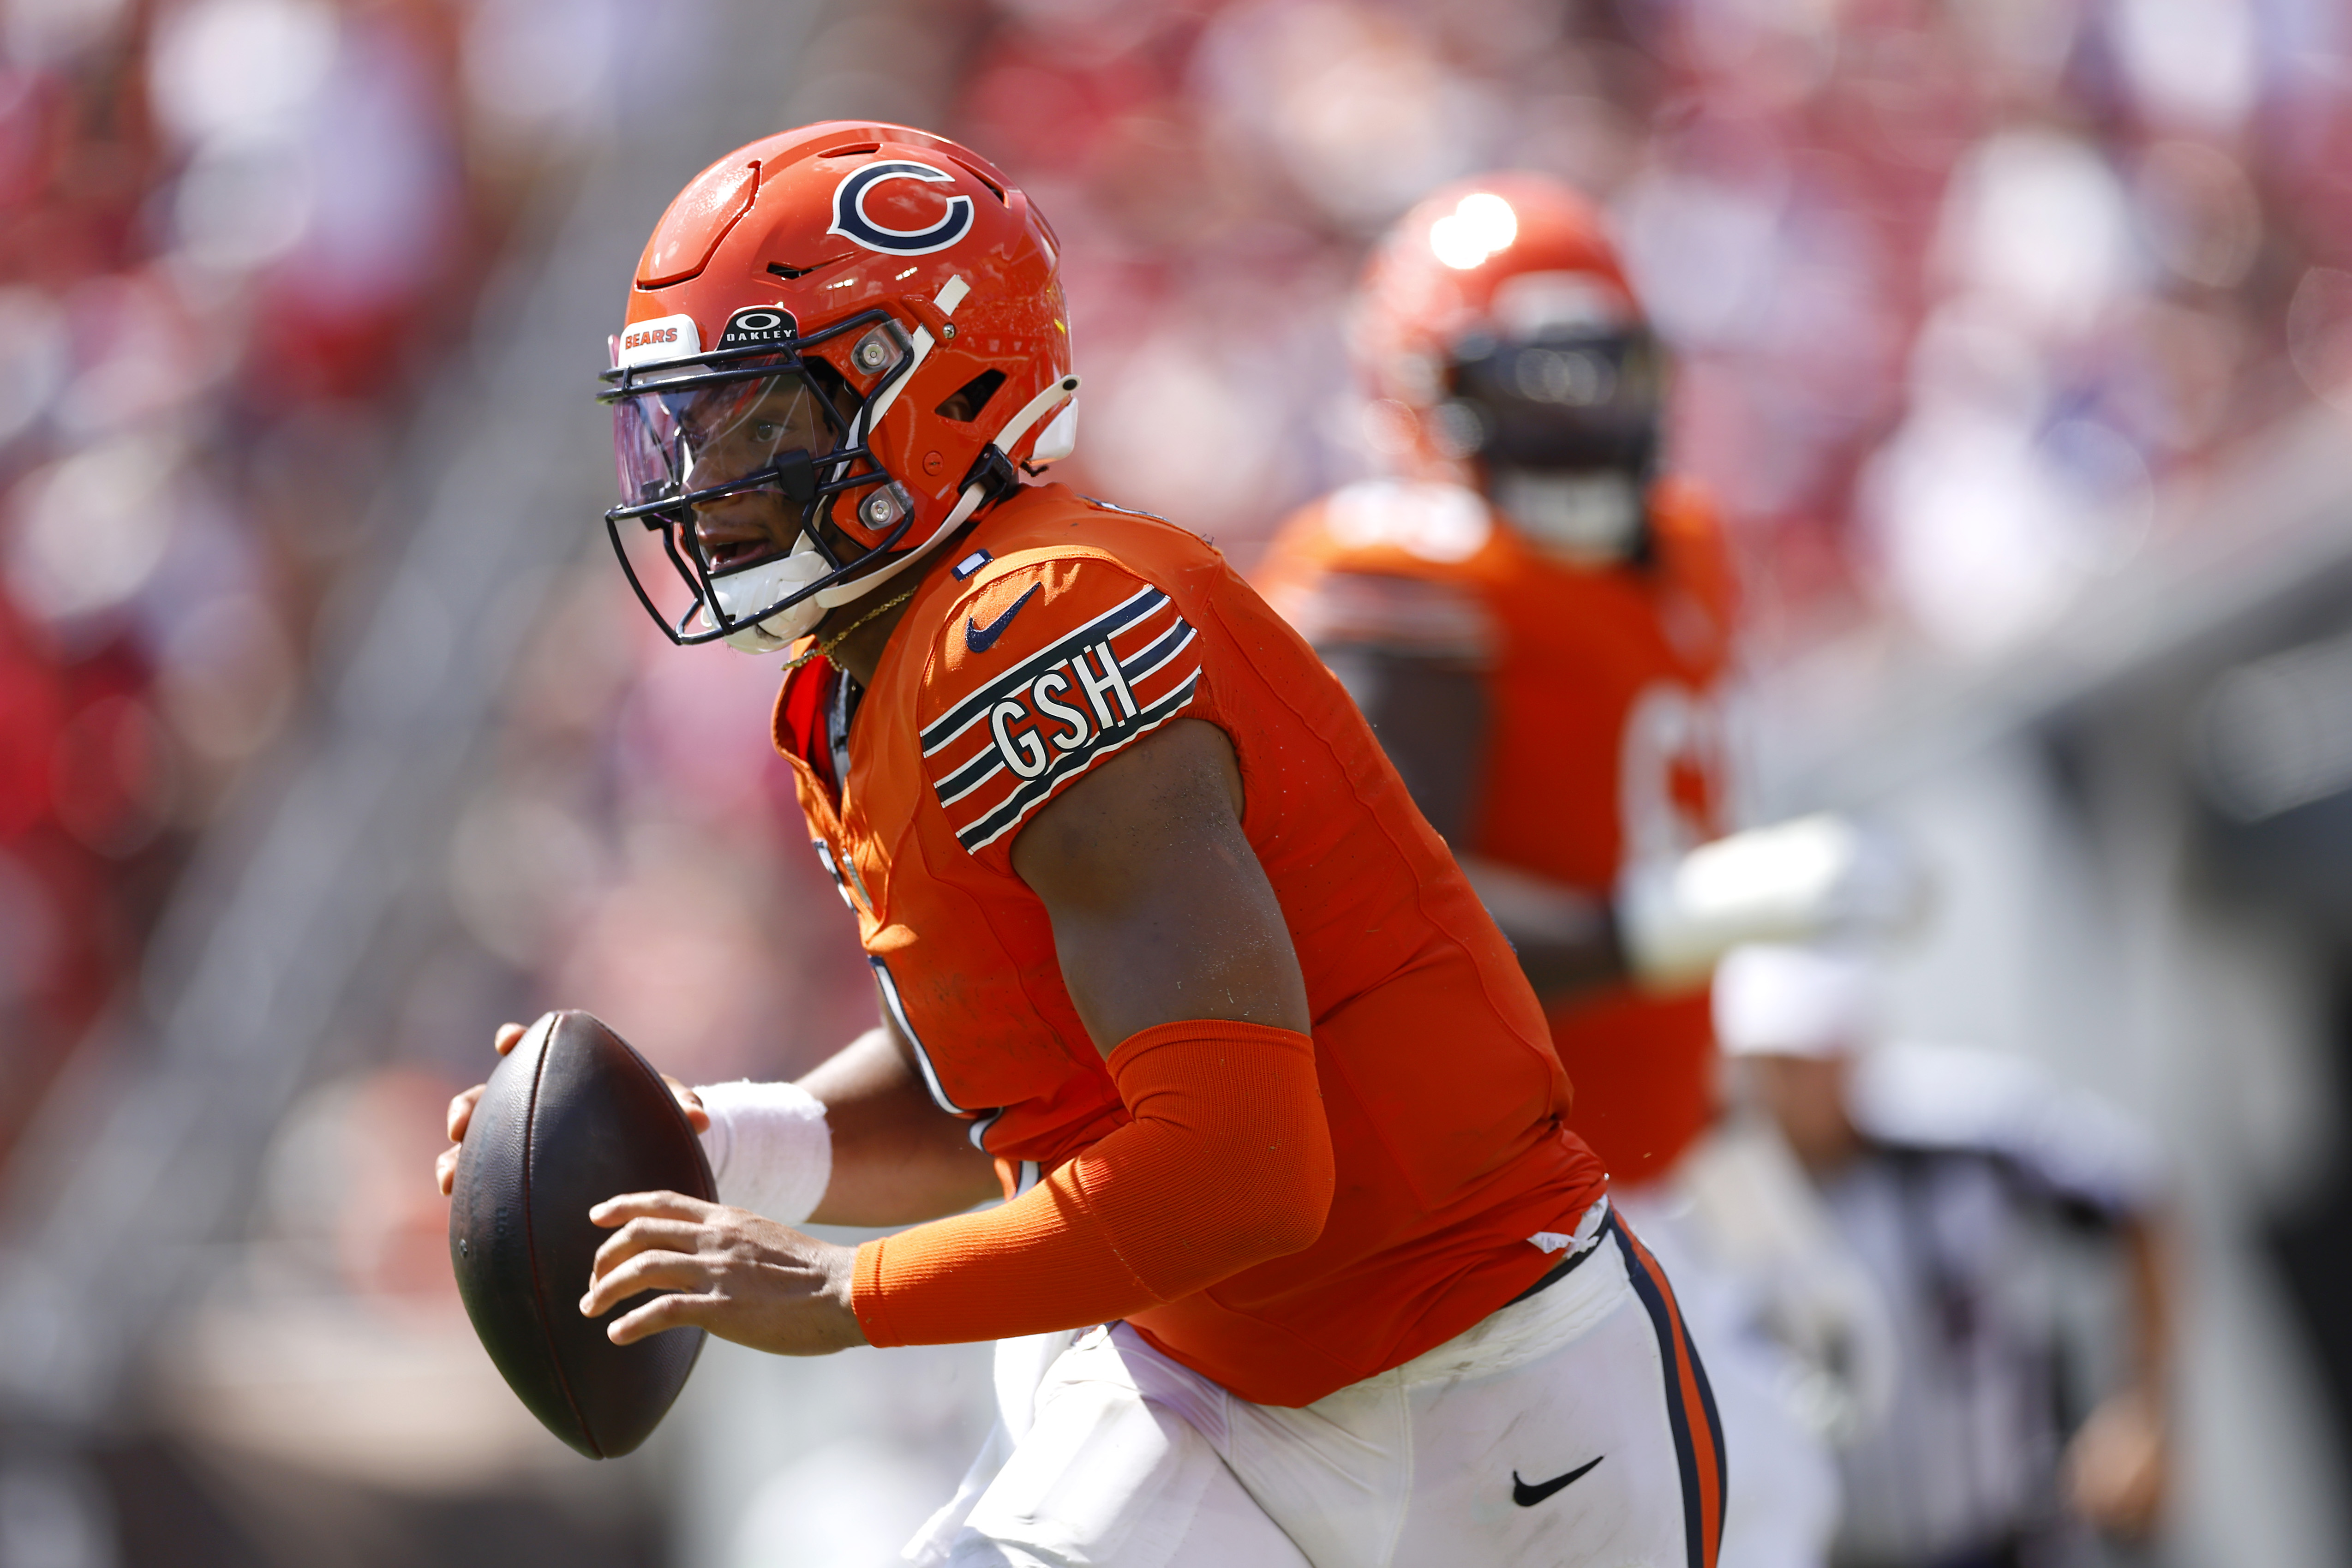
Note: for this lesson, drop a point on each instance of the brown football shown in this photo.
(572, 1116)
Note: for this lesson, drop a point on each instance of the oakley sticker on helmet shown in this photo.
(850, 219)
(760, 324)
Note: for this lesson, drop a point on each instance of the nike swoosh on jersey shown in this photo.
(1528, 1496)
(980, 638)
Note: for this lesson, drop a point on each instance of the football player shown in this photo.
(1165, 956)
(1538, 620)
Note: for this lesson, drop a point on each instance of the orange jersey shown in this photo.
(1603, 741)
(1063, 630)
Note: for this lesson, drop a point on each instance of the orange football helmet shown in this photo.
(841, 342)
(1497, 315)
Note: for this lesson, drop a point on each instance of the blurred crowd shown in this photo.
(1958, 293)
(236, 238)
(1953, 287)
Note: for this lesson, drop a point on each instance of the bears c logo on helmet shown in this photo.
(850, 219)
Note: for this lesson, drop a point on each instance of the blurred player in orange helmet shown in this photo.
(1538, 621)
(1160, 944)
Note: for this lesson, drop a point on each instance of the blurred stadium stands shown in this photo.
(2017, 339)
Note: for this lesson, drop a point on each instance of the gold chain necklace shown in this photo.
(824, 649)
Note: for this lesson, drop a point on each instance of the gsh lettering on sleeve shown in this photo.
(997, 754)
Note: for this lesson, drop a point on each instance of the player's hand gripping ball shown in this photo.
(571, 1117)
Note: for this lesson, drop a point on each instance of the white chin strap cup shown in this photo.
(1591, 520)
(745, 591)
(742, 593)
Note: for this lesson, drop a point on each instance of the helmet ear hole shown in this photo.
(964, 403)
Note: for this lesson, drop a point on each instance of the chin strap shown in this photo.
(841, 593)
(1036, 408)
(789, 625)
(945, 301)
(976, 491)
(765, 584)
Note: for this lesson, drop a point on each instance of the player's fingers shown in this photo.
(621, 1209)
(643, 1235)
(444, 1170)
(646, 1271)
(461, 1111)
(676, 1310)
(507, 1036)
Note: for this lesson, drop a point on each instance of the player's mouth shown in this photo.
(742, 552)
(728, 544)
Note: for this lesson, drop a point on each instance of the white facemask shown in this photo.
(743, 593)
(1586, 518)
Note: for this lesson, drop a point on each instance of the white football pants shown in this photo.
(1780, 1509)
(1575, 1427)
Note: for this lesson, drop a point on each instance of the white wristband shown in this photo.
(769, 1148)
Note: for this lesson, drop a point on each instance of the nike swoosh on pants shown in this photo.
(1528, 1496)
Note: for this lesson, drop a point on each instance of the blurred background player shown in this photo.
(1536, 624)
(1539, 622)
(1953, 1176)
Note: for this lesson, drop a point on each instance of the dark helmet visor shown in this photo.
(1562, 400)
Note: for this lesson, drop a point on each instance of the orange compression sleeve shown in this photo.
(1227, 1163)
